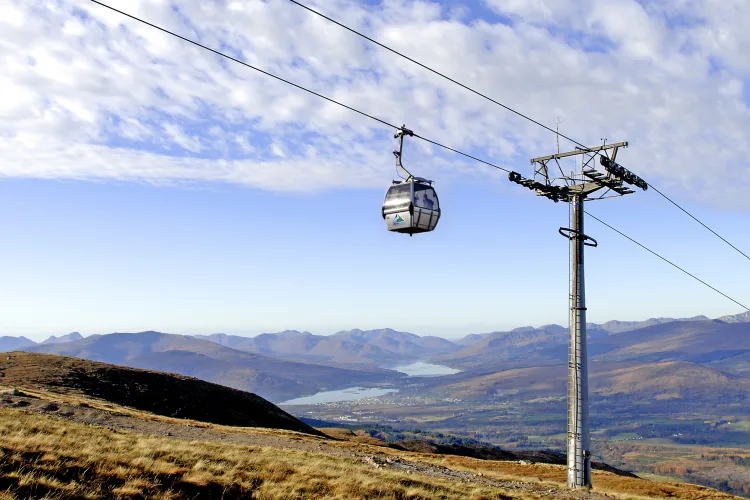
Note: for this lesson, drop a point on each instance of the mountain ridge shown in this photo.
(378, 347)
(70, 337)
(272, 378)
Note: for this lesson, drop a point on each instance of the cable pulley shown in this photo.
(554, 193)
(622, 173)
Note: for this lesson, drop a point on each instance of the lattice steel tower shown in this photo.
(575, 189)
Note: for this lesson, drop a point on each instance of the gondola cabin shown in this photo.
(411, 206)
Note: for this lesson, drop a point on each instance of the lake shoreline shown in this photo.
(415, 369)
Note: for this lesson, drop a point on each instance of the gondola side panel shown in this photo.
(399, 221)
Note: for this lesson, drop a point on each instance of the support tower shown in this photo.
(575, 189)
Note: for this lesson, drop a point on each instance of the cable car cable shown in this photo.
(395, 127)
(429, 69)
(462, 153)
(296, 85)
(699, 222)
(506, 107)
(244, 63)
(666, 260)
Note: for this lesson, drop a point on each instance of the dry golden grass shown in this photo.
(605, 483)
(352, 436)
(45, 457)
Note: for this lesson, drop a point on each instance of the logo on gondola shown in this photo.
(398, 219)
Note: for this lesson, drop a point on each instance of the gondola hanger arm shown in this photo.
(398, 154)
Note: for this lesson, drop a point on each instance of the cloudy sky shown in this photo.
(148, 184)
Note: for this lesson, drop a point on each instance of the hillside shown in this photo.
(507, 347)
(692, 340)
(384, 347)
(274, 379)
(58, 442)
(699, 341)
(662, 381)
(155, 392)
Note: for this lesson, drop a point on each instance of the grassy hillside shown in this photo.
(160, 393)
(274, 379)
(65, 446)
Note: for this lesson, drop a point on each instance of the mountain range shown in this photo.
(384, 347)
(271, 378)
(691, 361)
(290, 364)
(13, 343)
(715, 342)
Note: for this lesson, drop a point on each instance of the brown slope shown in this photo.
(50, 457)
(156, 392)
(667, 380)
(696, 341)
(739, 364)
(664, 380)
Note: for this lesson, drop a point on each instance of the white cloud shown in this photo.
(179, 137)
(87, 93)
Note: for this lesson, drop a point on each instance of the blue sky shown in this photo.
(147, 185)
(100, 257)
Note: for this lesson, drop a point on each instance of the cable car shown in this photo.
(411, 206)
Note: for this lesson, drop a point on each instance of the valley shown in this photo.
(65, 434)
(668, 397)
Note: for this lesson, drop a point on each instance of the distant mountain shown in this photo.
(14, 343)
(346, 348)
(722, 345)
(271, 378)
(737, 318)
(398, 343)
(71, 337)
(627, 326)
(594, 329)
(694, 341)
(470, 339)
(507, 347)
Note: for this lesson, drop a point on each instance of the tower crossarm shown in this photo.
(581, 151)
